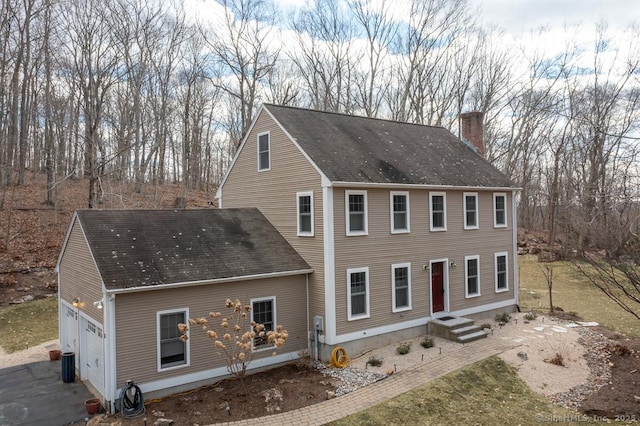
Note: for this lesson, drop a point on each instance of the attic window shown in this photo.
(264, 152)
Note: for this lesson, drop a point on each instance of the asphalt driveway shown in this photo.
(34, 394)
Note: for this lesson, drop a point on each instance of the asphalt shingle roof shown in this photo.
(138, 248)
(366, 150)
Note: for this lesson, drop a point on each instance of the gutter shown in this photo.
(207, 282)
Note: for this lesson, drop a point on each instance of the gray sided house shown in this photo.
(128, 277)
(401, 223)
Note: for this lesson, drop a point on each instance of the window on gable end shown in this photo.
(264, 151)
(470, 200)
(399, 207)
(305, 214)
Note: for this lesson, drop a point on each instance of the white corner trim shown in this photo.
(329, 265)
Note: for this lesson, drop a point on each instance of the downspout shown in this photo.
(111, 391)
(308, 322)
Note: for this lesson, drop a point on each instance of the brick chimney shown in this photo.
(471, 130)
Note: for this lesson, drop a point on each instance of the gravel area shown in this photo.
(585, 361)
(597, 358)
(350, 378)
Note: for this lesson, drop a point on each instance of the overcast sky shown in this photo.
(516, 16)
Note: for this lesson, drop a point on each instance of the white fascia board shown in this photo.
(295, 143)
(406, 186)
(207, 282)
(240, 148)
(66, 239)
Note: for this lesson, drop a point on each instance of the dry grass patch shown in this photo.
(29, 324)
(572, 292)
(487, 392)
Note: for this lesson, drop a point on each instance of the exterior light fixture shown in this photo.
(452, 264)
(98, 304)
(76, 302)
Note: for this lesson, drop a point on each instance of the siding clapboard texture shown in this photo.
(380, 249)
(78, 274)
(274, 193)
(136, 323)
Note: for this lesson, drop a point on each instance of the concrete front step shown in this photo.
(458, 329)
(472, 336)
(466, 330)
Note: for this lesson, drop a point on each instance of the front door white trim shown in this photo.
(445, 285)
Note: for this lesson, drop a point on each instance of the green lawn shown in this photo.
(572, 292)
(488, 392)
(29, 324)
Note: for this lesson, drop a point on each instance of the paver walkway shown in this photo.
(401, 382)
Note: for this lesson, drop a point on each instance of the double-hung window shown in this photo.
(399, 207)
(264, 151)
(499, 210)
(472, 276)
(438, 209)
(172, 351)
(470, 200)
(502, 283)
(263, 311)
(356, 212)
(305, 214)
(401, 278)
(357, 293)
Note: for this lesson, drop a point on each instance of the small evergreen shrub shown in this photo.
(427, 343)
(374, 362)
(403, 349)
(530, 316)
(503, 317)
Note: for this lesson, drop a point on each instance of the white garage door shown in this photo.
(92, 368)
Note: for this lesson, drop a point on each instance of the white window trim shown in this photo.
(464, 208)
(258, 150)
(506, 279)
(346, 214)
(395, 266)
(266, 347)
(495, 214)
(298, 196)
(159, 335)
(391, 213)
(444, 208)
(466, 276)
(367, 313)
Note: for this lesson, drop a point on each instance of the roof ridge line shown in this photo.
(267, 104)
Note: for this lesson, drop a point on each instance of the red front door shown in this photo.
(437, 287)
